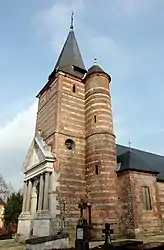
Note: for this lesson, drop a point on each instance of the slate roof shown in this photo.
(136, 159)
(95, 69)
(70, 59)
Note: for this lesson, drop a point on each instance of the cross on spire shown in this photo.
(71, 26)
(70, 55)
(129, 142)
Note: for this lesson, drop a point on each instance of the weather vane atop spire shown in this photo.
(71, 26)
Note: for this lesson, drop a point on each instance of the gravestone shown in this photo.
(107, 231)
(82, 229)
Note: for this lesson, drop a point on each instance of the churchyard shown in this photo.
(83, 239)
(11, 245)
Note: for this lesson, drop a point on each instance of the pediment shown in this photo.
(38, 153)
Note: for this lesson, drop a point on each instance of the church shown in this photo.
(74, 156)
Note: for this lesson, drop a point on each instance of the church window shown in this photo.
(95, 119)
(69, 144)
(74, 88)
(96, 170)
(146, 198)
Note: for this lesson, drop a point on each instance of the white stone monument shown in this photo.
(39, 196)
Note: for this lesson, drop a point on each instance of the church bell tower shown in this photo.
(75, 119)
(61, 119)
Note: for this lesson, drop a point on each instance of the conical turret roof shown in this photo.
(95, 69)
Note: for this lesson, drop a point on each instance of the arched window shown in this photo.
(95, 119)
(146, 199)
(96, 170)
(74, 88)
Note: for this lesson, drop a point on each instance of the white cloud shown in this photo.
(17, 134)
(56, 20)
(15, 138)
(134, 7)
(110, 54)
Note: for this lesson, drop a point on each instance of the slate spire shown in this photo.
(70, 59)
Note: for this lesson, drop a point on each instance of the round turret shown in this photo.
(98, 103)
(100, 147)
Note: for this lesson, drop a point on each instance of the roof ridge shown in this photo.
(141, 150)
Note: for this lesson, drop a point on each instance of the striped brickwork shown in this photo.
(135, 219)
(62, 116)
(160, 186)
(100, 152)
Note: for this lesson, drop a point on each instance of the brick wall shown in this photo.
(126, 214)
(135, 220)
(100, 152)
(70, 125)
(61, 116)
(147, 222)
(47, 110)
(71, 120)
(160, 186)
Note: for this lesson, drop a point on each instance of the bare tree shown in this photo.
(5, 189)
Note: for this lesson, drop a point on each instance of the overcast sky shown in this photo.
(126, 37)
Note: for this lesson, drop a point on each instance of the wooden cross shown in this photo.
(107, 231)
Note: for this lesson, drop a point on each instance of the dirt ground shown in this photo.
(11, 245)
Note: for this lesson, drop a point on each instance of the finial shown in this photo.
(95, 61)
(71, 26)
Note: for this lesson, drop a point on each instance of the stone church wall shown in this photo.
(147, 222)
(125, 204)
(160, 186)
(134, 219)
